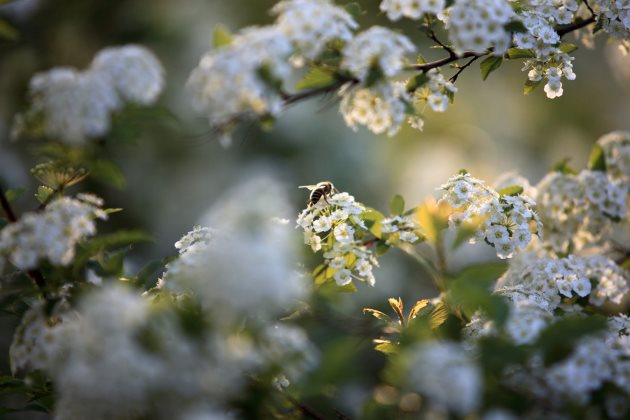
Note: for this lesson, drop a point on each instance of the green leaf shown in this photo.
(417, 82)
(266, 74)
(438, 315)
(13, 194)
(557, 341)
(567, 48)
(421, 60)
(372, 220)
(316, 77)
(530, 86)
(7, 31)
(397, 205)
(597, 159)
(516, 53)
(599, 25)
(563, 167)
(463, 233)
(386, 347)
(489, 65)
(511, 190)
(354, 9)
(375, 74)
(43, 193)
(101, 243)
(382, 316)
(108, 173)
(499, 353)
(221, 36)
(515, 26)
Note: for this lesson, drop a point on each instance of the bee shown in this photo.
(321, 190)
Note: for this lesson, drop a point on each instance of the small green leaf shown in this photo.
(489, 65)
(597, 159)
(421, 60)
(382, 316)
(530, 86)
(599, 25)
(108, 173)
(563, 167)
(417, 82)
(516, 53)
(515, 26)
(567, 48)
(372, 218)
(266, 75)
(386, 347)
(221, 36)
(438, 315)
(558, 340)
(511, 190)
(13, 193)
(354, 9)
(316, 77)
(397, 205)
(7, 31)
(375, 74)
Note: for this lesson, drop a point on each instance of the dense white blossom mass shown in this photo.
(74, 106)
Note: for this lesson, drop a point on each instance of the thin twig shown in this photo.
(308, 412)
(565, 29)
(462, 68)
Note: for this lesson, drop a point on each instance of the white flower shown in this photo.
(344, 233)
(553, 89)
(408, 237)
(322, 224)
(343, 277)
(376, 46)
(133, 70)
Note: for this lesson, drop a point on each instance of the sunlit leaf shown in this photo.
(489, 65)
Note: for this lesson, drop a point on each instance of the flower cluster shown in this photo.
(614, 17)
(221, 267)
(51, 234)
(505, 221)
(72, 106)
(133, 71)
(381, 108)
(552, 67)
(412, 9)
(546, 280)
(335, 227)
(241, 77)
(434, 93)
(616, 147)
(377, 48)
(311, 24)
(578, 210)
(477, 25)
(539, 17)
(441, 370)
(400, 229)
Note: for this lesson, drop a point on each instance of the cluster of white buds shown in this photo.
(435, 92)
(334, 226)
(505, 221)
(312, 24)
(380, 108)
(477, 25)
(52, 233)
(377, 47)
(73, 106)
(412, 9)
(242, 77)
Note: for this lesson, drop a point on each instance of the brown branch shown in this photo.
(425, 67)
(462, 68)
(578, 24)
(6, 207)
(308, 412)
